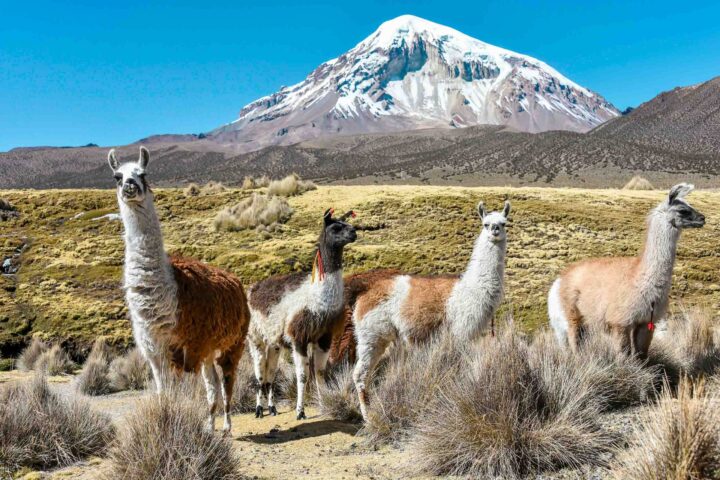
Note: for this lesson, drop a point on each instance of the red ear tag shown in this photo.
(332, 212)
(651, 326)
(352, 214)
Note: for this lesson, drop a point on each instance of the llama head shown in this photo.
(678, 211)
(336, 232)
(132, 188)
(493, 223)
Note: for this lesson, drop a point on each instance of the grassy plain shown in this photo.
(68, 285)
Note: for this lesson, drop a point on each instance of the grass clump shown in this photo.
(410, 379)
(256, 211)
(129, 372)
(192, 190)
(94, 378)
(166, 438)
(55, 361)
(248, 183)
(689, 347)
(39, 430)
(638, 183)
(29, 356)
(502, 416)
(290, 186)
(622, 379)
(677, 439)
(338, 399)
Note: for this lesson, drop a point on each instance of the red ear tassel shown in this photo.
(332, 212)
(352, 213)
(651, 326)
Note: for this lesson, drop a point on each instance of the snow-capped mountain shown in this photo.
(412, 73)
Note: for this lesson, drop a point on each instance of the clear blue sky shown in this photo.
(114, 72)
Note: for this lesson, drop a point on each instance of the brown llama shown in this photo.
(624, 295)
(303, 311)
(391, 307)
(185, 314)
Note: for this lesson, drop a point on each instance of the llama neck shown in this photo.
(487, 260)
(146, 263)
(326, 293)
(479, 291)
(658, 257)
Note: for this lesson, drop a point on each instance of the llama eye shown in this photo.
(486, 225)
(118, 178)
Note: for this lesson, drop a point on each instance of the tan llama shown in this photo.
(624, 295)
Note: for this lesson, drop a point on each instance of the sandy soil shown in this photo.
(271, 447)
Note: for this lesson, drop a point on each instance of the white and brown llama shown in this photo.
(387, 306)
(302, 311)
(624, 295)
(185, 314)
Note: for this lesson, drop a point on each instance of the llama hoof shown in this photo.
(258, 412)
(301, 415)
(273, 411)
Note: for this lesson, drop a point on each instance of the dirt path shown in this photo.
(271, 447)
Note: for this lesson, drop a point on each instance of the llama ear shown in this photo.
(481, 210)
(144, 158)
(328, 215)
(680, 191)
(112, 160)
(506, 209)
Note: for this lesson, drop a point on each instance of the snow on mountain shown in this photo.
(412, 73)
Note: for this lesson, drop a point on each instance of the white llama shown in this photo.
(184, 314)
(388, 306)
(624, 295)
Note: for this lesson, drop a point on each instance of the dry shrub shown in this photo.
(40, 430)
(129, 372)
(623, 379)
(166, 439)
(29, 356)
(410, 379)
(255, 211)
(94, 377)
(213, 187)
(338, 399)
(290, 186)
(263, 181)
(249, 183)
(690, 346)
(677, 439)
(638, 183)
(192, 190)
(55, 361)
(507, 414)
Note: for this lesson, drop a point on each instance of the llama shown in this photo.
(624, 295)
(387, 306)
(184, 314)
(302, 311)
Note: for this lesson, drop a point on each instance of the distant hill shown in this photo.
(673, 136)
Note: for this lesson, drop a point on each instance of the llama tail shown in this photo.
(556, 313)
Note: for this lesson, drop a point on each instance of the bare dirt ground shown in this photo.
(271, 447)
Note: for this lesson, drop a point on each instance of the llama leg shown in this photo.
(229, 363)
(157, 365)
(259, 366)
(643, 338)
(320, 359)
(211, 383)
(302, 370)
(273, 358)
(368, 355)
